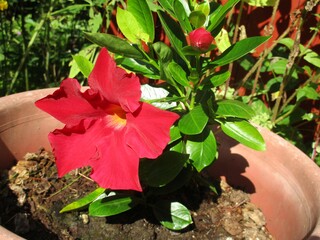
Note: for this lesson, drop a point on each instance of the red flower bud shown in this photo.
(201, 39)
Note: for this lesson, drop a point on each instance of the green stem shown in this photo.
(235, 36)
(279, 119)
(288, 73)
(262, 58)
(69, 184)
(207, 183)
(192, 100)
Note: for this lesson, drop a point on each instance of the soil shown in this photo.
(32, 195)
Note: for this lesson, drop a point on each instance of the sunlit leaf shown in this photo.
(172, 215)
(219, 15)
(84, 65)
(133, 31)
(141, 12)
(197, 18)
(307, 92)
(233, 108)
(219, 78)
(193, 122)
(82, 202)
(112, 205)
(168, 6)
(308, 55)
(203, 6)
(245, 133)
(174, 134)
(222, 40)
(182, 16)
(312, 57)
(261, 3)
(202, 149)
(238, 50)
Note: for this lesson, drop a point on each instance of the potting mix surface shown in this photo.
(31, 196)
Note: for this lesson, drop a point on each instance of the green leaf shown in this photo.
(114, 44)
(219, 15)
(309, 55)
(82, 202)
(172, 215)
(163, 52)
(112, 204)
(164, 169)
(197, 18)
(141, 12)
(165, 56)
(218, 78)
(261, 3)
(133, 31)
(238, 50)
(222, 40)
(182, 16)
(202, 149)
(174, 33)
(178, 147)
(278, 65)
(72, 9)
(178, 74)
(193, 122)
(203, 6)
(167, 5)
(259, 107)
(174, 134)
(312, 57)
(234, 108)
(139, 66)
(87, 52)
(288, 42)
(84, 64)
(245, 133)
(307, 92)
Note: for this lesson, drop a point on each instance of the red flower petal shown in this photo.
(107, 127)
(120, 168)
(92, 143)
(148, 130)
(114, 83)
(68, 104)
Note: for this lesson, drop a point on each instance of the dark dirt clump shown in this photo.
(32, 195)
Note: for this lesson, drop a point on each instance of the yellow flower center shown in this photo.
(116, 116)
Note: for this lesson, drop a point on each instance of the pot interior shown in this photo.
(279, 179)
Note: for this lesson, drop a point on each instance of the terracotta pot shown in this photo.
(283, 181)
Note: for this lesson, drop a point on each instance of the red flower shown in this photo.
(106, 127)
(201, 39)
